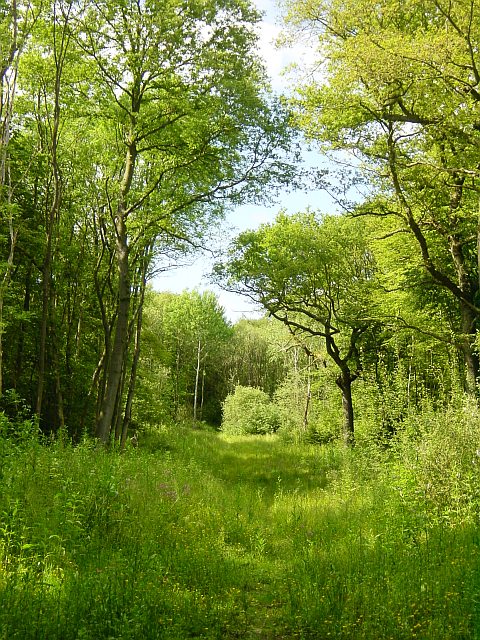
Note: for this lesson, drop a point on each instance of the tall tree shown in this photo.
(399, 90)
(316, 277)
(17, 20)
(182, 91)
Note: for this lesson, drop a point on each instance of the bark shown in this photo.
(177, 383)
(3, 288)
(136, 358)
(308, 395)
(108, 323)
(21, 335)
(203, 394)
(7, 94)
(117, 420)
(120, 341)
(59, 397)
(478, 246)
(53, 213)
(115, 366)
(44, 322)
(344, 381)
(467, 348)
(197, 378)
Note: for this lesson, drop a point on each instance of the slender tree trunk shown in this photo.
(21, 336)
(202, 395)
(59, 397)
(60, 48)
(467, 347)
(136, 358)
(478, 246)
(7, 94)
(197, 378)
(308, 396)
(46, 275)
(95, 382)
(108, 322)
(120, 341)
(177, 382)
(3, 288)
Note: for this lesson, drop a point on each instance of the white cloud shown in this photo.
(279, 58)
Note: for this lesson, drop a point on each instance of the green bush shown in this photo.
(249, 411)
(438, 457)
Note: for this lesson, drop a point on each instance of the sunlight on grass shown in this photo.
(199, 535)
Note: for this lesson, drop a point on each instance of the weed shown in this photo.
(208, 536)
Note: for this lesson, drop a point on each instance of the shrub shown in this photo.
(249, 411)
(439, 462)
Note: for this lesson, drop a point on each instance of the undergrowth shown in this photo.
(200, 535)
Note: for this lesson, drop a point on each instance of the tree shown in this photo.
(136, 125)
(399, 90)
(187, 335)
(316, 277)
(17, 20)
(259, 354)
(183, 91)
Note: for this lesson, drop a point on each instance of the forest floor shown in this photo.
(196, 535)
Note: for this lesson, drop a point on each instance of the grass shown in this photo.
(196, 535)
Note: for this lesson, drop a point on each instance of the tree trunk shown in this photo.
(120, 341)
(53, 213)
(115, 365)
(7, 94)
(467, 347)
(117, 419)
(136, 358)
(46, 275)
(203, 394)
(3, 289)
(309, 394)
(197, 378)
(344, 381)
(21, 334)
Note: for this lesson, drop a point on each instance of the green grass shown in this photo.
(196, 535)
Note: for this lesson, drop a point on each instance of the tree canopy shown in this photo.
(317, 278)
(396, 89)
(134, 126)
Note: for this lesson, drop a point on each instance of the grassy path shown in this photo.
(197, 536)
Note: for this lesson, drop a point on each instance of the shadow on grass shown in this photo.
(266, 463)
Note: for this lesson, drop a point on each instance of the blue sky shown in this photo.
(195, 276)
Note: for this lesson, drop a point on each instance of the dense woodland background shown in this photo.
(127, 131)
(310, 474)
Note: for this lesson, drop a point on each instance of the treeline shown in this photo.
(126, 130)
(263, 376)
(192, 357)
(391, 96)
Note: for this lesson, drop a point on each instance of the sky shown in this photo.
(195, 276)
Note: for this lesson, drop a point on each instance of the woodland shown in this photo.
(313, 473)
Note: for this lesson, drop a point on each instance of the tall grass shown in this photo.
(200, 535)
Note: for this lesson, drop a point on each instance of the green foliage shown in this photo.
(439, 464)
(108, 144)
(397, 96)
(317, 276)
(249, 411)
(215, 537)
(257, 354)
(185, 344)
